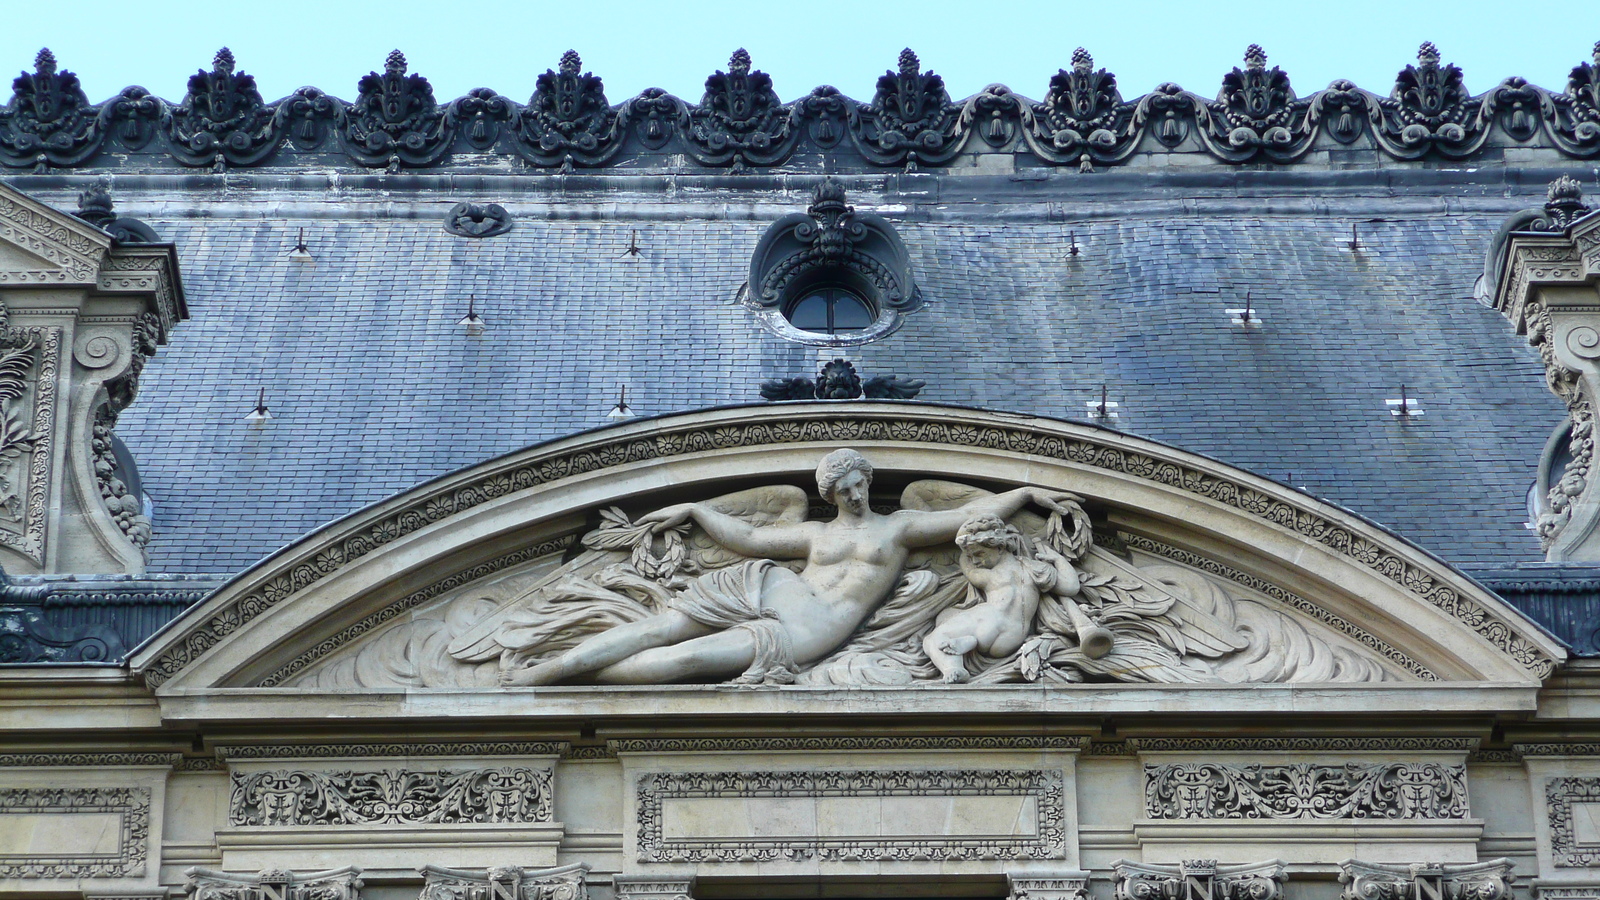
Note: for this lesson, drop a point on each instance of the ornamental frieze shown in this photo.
(1393, 791)
(290, 797)
(741, 121)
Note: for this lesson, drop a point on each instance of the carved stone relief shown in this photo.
(1049, 886)
(505, 883)
(639, 888)
(1199, 879)
(1566, 799)
(273, 884)
(126, 859)
(285, 797)
(1305, 791)
(1489, 880)
(29, 361)
(884, 828)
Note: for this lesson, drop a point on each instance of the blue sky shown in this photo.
(634, 45)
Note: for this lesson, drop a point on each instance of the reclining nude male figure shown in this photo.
(757, 621)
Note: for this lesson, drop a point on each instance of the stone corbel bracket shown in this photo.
(1549, 288)
(1199, 879)
(1488, 880)
(273, 884)
(505, 883)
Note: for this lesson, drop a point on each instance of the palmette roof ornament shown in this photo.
(741, 122)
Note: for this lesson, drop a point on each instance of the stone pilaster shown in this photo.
(80, 312)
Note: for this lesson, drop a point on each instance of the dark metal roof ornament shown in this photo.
(568, 120)
(911, 119)
(475, 221)
(1256, 111)
(1563, 206)
(838, 380)
(395, 120)
(479, 115)
(1429, 109)
(1082, 114)
(1575, 123)
(223, 120)
(95, 207)
(49, 121)
(740, 121)
(1342, 110)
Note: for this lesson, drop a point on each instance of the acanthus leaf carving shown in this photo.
(910, 120)
(1256, 113)
(1572, 118)
(395, 121)
(273, 884)
(505, 883)
(1199, 878)
(1488, 880)
(285, 797)
(1429, 109)
(223, 120)
(1082, 114)
(740, 121)
(49, 121)
(569, 119)
(1305, 791)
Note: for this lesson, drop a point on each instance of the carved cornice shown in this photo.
(740, 121)
(89, 760)
(76, 247)
(809, 744)
(1288, 598)
(333, 550)
(1044, 786)
(130, 804)
(374, 751)
(639, 887)
(1304, 744)
(1390, 791)
(412, 601)
(290, 797)
(1560, 748)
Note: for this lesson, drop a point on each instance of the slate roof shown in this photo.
(374, 387)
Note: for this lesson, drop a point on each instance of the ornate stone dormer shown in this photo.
(84, 300)
(1549, 287)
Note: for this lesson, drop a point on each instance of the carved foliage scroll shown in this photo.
(1199, 879)
(285, 797)
(1305, 791)
(1044, 787)
(1488, 880)
(132, 807)
(274, 884)
(505, 883)
(29, 361)
(1561, 795)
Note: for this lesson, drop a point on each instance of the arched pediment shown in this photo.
(1202, 573)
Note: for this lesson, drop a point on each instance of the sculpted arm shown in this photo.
(767, 541)
(925, 529)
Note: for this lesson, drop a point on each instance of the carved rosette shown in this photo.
(395, 120)
(505, 883)
(222, 121)
(1429, 109)
(1490, 880)
(1305, 791)
(1256, 113)
(740, 120)
(568, 120)
(273, 884)
(49, 121)
(910, 119)
(1082, 114)
(1202, 878)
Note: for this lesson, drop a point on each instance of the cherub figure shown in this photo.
(1012, 576)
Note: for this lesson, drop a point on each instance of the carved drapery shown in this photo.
(1305, 791)
(1198, 879)
(1488, 880)
(740, 121)
(286, 797)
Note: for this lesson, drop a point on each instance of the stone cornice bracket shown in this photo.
(273, 884)
(1549, 288)
(1488, 880)
(506, 883)
(1199, 879)
(84, 300)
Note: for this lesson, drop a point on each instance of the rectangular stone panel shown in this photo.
(74, 832)
(851, 815)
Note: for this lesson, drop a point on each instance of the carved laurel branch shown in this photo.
(1305, 791)
(842, 428)
(412, 601)
(130, 804)
(1288, 598)
(286, 797)
(1045, 786)
(773, 130)
(1559, 795)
